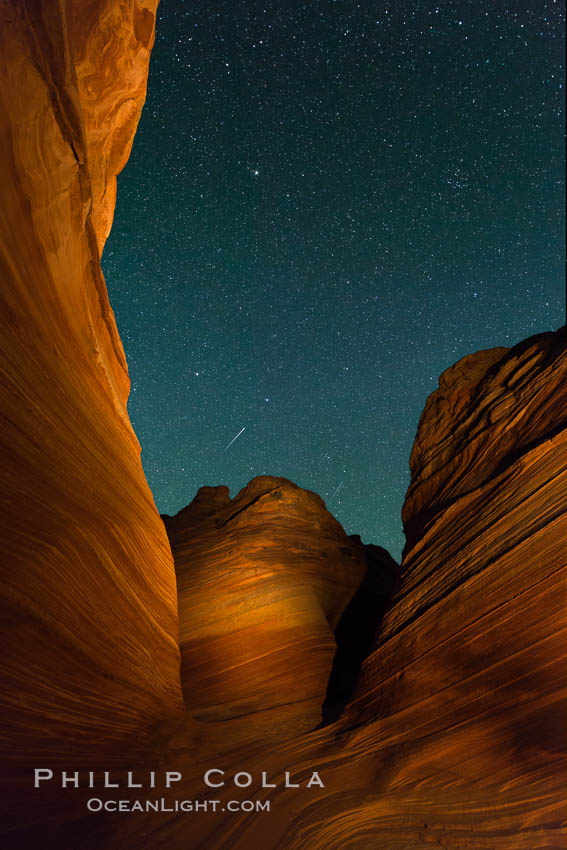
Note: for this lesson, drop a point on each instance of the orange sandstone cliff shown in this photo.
(454, 736)
(263, 580)
(465, 693)
(90, 659)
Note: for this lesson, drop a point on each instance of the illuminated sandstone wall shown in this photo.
(464, 698)
(455, 737)
(262, 579)
(89, 619)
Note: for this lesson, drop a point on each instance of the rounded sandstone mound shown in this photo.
(262, 582)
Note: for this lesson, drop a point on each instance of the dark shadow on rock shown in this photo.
(356, 631)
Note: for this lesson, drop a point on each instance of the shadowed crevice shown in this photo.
(356, 631)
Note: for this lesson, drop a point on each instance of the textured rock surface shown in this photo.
(89, 621)
(456, 735)
(465, 694)
(490, 408)
(262, 581)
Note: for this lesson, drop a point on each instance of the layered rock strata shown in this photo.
(262, 581)
(455, 736)
(90, 660)
(457, 722)
(465, 693)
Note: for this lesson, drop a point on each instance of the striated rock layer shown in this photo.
(466, 690)
(262, 581)
(90, 660)
(455, 737)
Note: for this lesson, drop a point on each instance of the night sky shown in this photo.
(327, 204)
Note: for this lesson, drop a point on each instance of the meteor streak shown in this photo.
(336, 491)
(234, 438)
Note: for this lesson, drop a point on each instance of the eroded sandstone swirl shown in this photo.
(456, 735)
(262, 581)
(466, 690)
(90, 660)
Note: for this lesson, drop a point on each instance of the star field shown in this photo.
(327, 204)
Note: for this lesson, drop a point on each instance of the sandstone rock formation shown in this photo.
(90, 660)
(455, 736)
(262, 582)
(466, 690)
